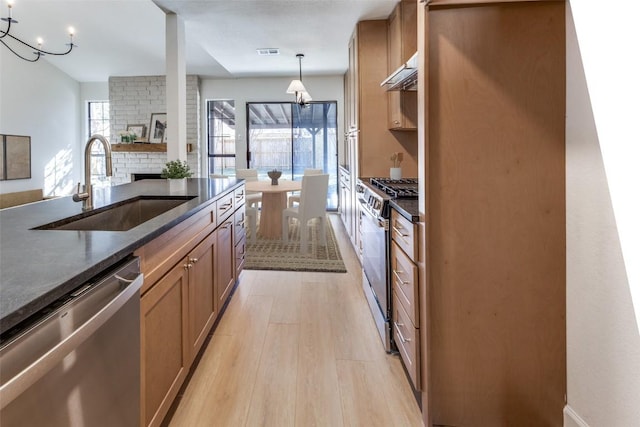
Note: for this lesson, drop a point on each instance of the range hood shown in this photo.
(405, 77)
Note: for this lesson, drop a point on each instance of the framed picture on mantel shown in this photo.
(158, 127)
(139, 130)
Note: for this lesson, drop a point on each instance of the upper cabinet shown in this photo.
(402, 46)
(369, 139)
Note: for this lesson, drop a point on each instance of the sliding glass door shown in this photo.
(292, 138)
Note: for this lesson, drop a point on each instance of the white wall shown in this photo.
(603, 343)
(327, 88)
(38, 100)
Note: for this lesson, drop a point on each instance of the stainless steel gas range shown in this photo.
(374, 195)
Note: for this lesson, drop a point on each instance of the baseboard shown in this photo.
(572, 419)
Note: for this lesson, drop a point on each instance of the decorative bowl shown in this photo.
(274, 175)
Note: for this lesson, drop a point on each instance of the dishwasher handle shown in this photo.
(16, 385)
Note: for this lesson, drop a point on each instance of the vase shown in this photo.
(274, 175)
(395, 173)
(177, 185)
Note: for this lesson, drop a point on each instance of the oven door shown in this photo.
(375, 258)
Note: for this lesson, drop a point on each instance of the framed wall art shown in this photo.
(15, 157)
(139, 130)
(157, 127)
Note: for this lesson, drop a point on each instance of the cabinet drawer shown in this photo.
(239, 195)
(241, 250)
(404, 277)
(224, 208)
(404, 234)
(406, 338)
(239, 225)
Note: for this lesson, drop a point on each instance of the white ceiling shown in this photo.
(127, 37)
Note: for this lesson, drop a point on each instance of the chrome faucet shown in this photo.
(86, 196)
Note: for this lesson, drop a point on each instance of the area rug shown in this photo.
(266, 254)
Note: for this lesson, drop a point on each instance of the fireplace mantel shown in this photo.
(139, 148)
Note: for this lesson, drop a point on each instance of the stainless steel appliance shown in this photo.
(374, 195)
(77, 362)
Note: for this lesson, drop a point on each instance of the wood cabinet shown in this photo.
(165, 358)
(402, 44)
(404, 283)
(240, 231)
(492, 213)
(372, 142)
(368, 141)
(201, 264)
(346, 202)
(225, 273)
(190, 272)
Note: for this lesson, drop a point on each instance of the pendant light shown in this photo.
(297, 88)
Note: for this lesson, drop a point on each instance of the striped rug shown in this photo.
(268, 254)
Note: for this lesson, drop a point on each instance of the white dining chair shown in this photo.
(295, 198)
(313, 205)
(253, 198)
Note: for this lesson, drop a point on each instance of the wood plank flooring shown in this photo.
(298, 349)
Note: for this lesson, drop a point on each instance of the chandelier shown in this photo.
(297, 88)
(20, 48)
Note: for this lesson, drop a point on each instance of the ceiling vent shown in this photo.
(269, 51)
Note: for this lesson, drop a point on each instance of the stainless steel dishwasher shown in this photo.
(77, 362)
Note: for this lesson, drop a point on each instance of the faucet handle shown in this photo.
(80, 195)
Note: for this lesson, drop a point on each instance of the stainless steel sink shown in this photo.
(120, 216)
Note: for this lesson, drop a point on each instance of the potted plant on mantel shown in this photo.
(176, 172)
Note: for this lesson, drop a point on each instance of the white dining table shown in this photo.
(274, 201)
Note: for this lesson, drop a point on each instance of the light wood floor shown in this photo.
(298, 349)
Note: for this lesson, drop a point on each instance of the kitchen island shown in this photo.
(37, 267)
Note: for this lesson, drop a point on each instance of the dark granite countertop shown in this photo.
(408, 208)
(39, 266)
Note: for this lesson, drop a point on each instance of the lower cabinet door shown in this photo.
(202, 298)
(225, 262)
(164, 349)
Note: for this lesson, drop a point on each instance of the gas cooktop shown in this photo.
(404, 188)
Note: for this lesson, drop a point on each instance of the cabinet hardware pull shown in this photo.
(397, 231)
(188, 266)
(402, 338)
(193, 260)
(395, 273)
(225, 206)
(225, 225)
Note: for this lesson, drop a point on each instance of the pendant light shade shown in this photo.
(297, 88)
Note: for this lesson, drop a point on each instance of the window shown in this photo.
(98, 116)
(291, 138)
(221, 137)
